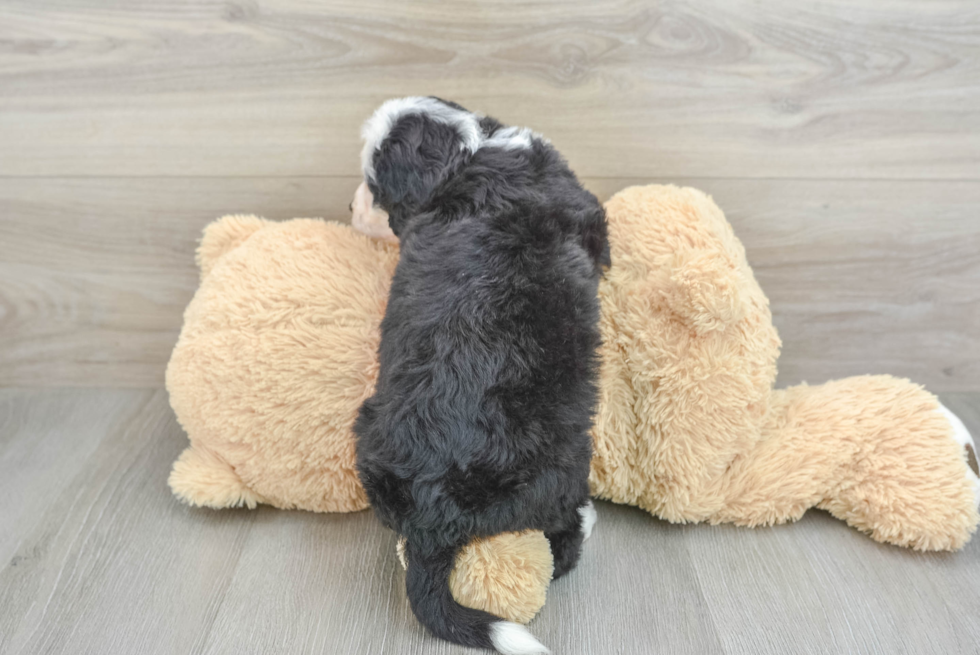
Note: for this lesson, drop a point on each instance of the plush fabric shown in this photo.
(502, 575)
(275, 357)
(690, 429)
(278, 350)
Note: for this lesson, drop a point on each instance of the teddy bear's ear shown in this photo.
(222, 235)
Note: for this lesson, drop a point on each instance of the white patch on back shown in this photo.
(510, 138)
(514, 639)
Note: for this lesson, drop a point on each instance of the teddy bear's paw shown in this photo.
(969, 446)
(507, 574)
(203, 479)
(587, 512)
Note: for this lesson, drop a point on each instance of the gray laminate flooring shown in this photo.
(96, 556)
(840, 137)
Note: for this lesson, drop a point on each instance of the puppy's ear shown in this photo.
(412, 145)
(418, 155)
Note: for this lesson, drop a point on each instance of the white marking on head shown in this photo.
(588, 515)
(376, 128)
(466, 123)
(514, 639)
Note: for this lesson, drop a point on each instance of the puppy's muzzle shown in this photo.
(369, 219)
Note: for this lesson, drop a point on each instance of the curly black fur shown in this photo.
(488, 360)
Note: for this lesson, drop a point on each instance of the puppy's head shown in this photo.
(411, 146)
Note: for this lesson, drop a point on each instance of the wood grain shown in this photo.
(863, 276)
(45, 442)
(866, 278)
(821, 587)
(842, 139)
(96, 556)
(836, 89)
(95, 274)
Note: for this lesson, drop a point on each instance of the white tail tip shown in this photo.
(514, 639)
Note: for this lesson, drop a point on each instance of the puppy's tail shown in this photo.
(427, 584)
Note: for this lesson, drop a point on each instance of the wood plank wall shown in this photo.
(842, 139)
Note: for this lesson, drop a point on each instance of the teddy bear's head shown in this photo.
(277, 353)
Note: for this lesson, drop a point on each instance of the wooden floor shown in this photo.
(100, 558)
(841, 138)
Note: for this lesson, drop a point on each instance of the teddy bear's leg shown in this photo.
(203, 479)
(874, 451)
(911, 483)
(507, 575)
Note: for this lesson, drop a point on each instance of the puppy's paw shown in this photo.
(588, 516)
(400, 552)
(969, 446)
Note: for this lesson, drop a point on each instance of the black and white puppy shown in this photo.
(480, 420)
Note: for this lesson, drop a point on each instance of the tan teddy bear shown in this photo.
(278, 350)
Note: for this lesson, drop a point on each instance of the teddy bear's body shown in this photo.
(690, 429)
(279, 347)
